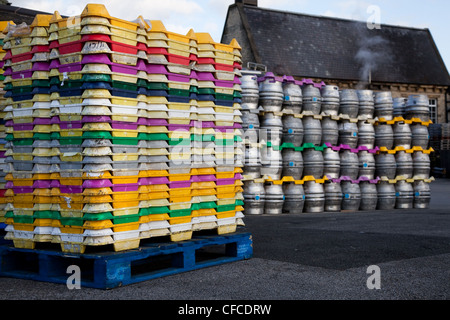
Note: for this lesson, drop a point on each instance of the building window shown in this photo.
(433, 110)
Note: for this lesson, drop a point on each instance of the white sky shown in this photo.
(209, 15)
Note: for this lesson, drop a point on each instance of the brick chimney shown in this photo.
(248, 2)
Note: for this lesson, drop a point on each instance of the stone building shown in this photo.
(343, 52)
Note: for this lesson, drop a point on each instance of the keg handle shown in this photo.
(255, 66)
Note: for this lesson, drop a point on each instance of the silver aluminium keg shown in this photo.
(271, 94)
(385, 165)
(250, 92)
(399, 107)
(384, 105)
(351, 199)
(294, 198)
(293, 99)
(313, 163)
(348, 133)
(331, 163)
(418, 106)
(405, 195)
(311, 99)
(292, 163)
(384, 135)
(349, 164)
(366, 164)
(254, 197)
(271, 163)
(330, 131)
(349, 103)
(402, 135)
(312, 129)
(250, 126)
(250, 119)
(404, 163)
(420, 135)
(366, 103)
(274, 199)
(386, 196)
(366, 135)
(422, 194)
(333, 196)
(252, 162)
(292, 130)
(330, 100)
(369, 196)
(314, 197)
(421, 165)
(271, 129)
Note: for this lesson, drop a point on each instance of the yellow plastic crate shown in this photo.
(97, 199)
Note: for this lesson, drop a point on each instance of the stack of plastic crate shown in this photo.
(96, 66)
(3, 142)
(28, 126)
(108, 153)
(172, 104)
(218, 115)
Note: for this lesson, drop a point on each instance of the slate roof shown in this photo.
(17, 14)
(330, 48)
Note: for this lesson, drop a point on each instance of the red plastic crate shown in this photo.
(224, 67)
(206, 61)
(173, 58)
(141, 46)
(71, 47)
(153, 50)
(21, 57)
(123, 48)
(42, 48)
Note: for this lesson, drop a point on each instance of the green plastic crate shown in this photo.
(157, 136)
(124, 85)
(23, 142)
(96, 78)
(158, 210)
(157, 86)
(125, 141)
(180, 213)
(179, 92)
(97, 135)
(42, 136)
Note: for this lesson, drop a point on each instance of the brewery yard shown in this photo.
(317, 256)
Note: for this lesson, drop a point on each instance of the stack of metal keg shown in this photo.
(355, 176)
(312, 147)
(254, 195)
(403, 162)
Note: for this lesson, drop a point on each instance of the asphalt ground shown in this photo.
(322, 256)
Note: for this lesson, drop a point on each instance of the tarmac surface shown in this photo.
(321, 256)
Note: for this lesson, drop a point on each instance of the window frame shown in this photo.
(433, 105)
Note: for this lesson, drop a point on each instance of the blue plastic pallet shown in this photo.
(2, 235)
(107, 270)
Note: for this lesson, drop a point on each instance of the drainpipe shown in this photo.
(447, 104)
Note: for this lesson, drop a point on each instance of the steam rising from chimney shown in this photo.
(373, 51)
